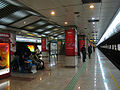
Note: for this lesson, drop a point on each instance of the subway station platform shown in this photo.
(97, 73)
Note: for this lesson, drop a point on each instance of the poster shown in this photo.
(70, 42)
(4, 58)
(44, 45)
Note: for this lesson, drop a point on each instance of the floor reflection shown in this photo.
(5, 85)
(53, 60)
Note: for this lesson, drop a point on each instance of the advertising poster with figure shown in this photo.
(4, 54)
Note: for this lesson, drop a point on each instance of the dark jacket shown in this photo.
(89, 49)
(83, 50)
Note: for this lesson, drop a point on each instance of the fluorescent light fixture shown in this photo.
(3, 4)
(39, 30)
(35, 40)
(24, 31)
(40, 23)
(112, 29)
(62, 32)
(55, 29)
(43, 35)
(6, 20)
(20, 14)
(32, 13)
(36, 33)
(13, 2)
(47, 32)
(3, 27)
(55, 34)
(29, 27)
(49, 26)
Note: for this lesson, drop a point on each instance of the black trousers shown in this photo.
(89, 54)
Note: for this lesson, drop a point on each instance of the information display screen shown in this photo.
(31, 47)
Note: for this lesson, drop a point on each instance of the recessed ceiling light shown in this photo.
(24, 22)
(93, 18)
(92, 6)
(66, 23)
(79, 88)
(93, 22)
(52, 13)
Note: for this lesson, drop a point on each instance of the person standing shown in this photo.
(94, 48)
(83, 50)
(89, 51)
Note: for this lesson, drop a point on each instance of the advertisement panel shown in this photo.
(82, 42)
(70, 42)
(4, 58)
(44, 45)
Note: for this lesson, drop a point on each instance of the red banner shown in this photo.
(70, 42)
(82, 42)
(44, 45)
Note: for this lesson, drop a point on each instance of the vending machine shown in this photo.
(4, 55)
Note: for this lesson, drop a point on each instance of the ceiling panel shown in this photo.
(70, 2)
(25, 21)
(65, 11)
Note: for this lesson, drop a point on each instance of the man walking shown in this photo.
(89, 51)
(83, 50)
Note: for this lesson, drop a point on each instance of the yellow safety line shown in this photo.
(113, 77)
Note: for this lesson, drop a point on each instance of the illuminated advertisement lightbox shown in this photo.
(31, 47)
(4, 58)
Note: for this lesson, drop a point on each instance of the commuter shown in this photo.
(94, 48)
(89, 51)
(83, 50)
(15, 63)
(22, 62)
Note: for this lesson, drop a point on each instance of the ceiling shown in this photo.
(72, 11)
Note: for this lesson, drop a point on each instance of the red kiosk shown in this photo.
(4, 55)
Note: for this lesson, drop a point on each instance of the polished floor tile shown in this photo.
(97, 73)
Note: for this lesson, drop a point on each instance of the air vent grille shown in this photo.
(90, 1)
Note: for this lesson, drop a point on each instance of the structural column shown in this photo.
(45, 54)
(71, 49)
(71, 42)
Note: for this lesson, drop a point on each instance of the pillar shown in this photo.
(71, 42)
